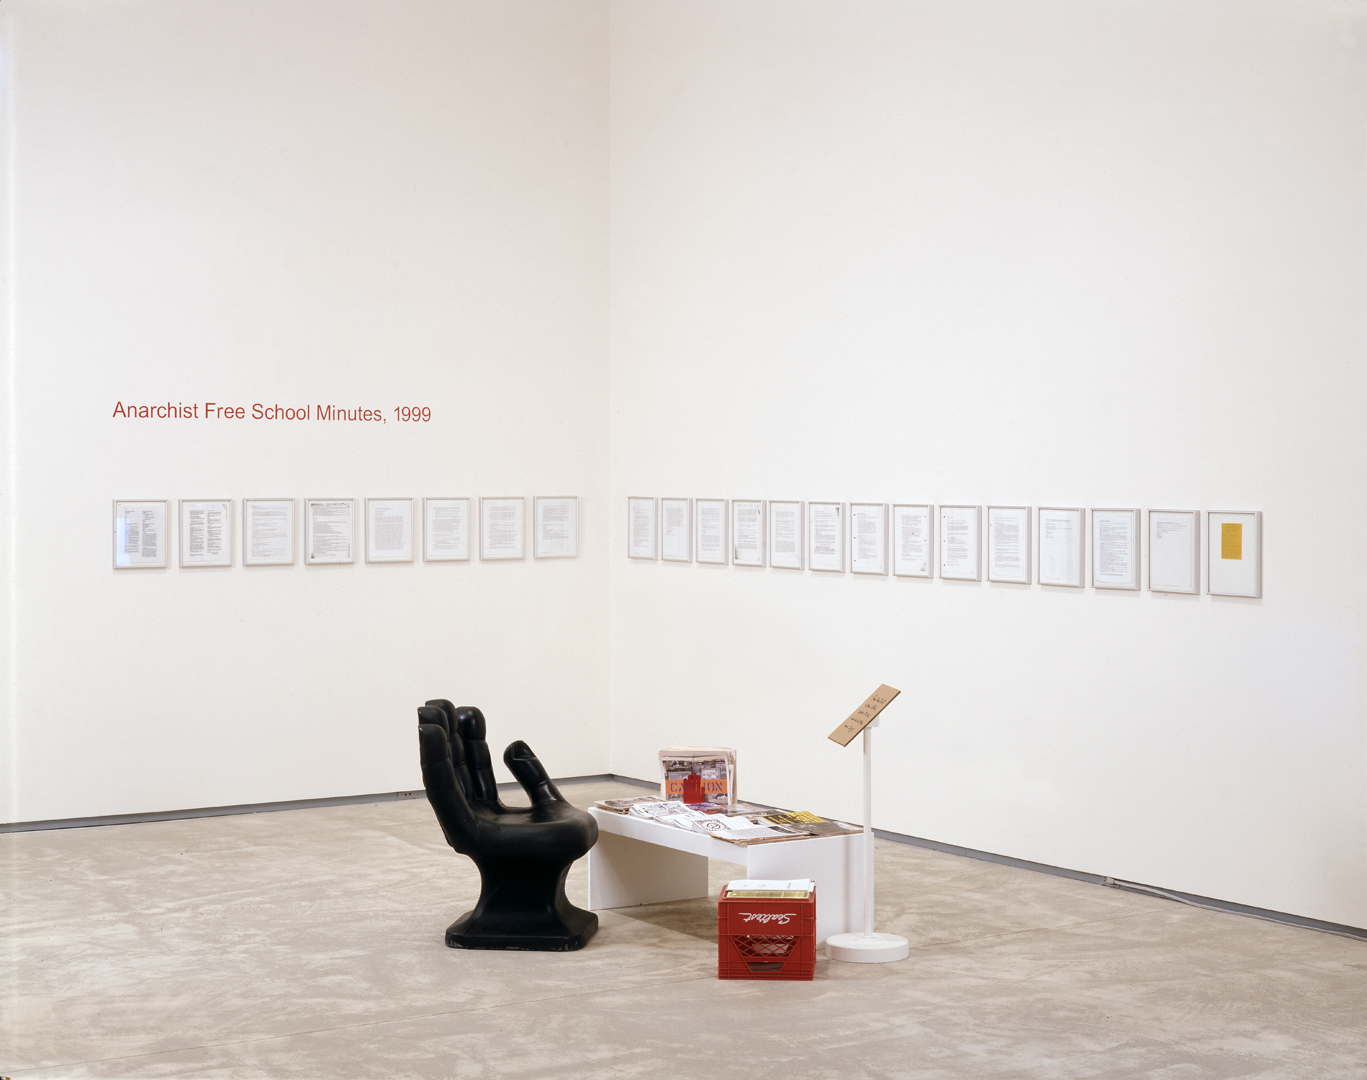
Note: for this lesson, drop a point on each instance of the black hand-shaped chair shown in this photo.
(523, 853)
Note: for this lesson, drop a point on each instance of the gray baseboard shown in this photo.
(268, 807)
(654, 784)
(598, 778)
(1239, 909)
(1097, 879)
(206, 811)
(1129, 886)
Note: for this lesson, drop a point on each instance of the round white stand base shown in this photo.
(867, 948)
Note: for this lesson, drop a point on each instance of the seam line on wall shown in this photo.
(11, 503)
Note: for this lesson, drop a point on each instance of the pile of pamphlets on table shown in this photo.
(709, 772)
(738, 823)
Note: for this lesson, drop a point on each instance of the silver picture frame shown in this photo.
(676, 529)
(502, 548)
(322, 547)
(142, 513)
(997, 546)
(564, 545)
(267, 547)
(375, 554)
(438, 545)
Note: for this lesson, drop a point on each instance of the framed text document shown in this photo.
(1236, 553)
(445, 529)
(329, 531)
(140, 533)
(1062, 546)
(747, 532)
(1175, 551)
(503, 528)
(1008, 544)
(826, 536)
(676, 530)
(267, 532)
(1115, 549)
(868, 538)
(711, 530)
(641, 528)
(785, 534)
(913, 539)
(389, 530)
(555, 526)
(961, 543)
(206, 532)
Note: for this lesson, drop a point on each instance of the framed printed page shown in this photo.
(1008, 544)
(868, 538)
(388, 530)
(826, 536)
(710, 530)
(676, 530)
(1115, 549)
(913, 540)
(641, 528)
(1062, 546)
(1175, 551)
(445, 529)
(503, 528)
(140, 533)
(329, 531)
(555, 526)
(785, 534)
(267, 532)
(1235, 543)
(747, 532)
(961, 543)
(206, 532)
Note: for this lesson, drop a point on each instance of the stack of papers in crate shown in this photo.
(798, 889)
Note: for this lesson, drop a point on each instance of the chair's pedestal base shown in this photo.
(575, 935)
(522, 905)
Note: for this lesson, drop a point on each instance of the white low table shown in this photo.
(639, 861)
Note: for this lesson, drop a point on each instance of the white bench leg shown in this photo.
(625, 872)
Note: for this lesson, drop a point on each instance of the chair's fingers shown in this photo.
(526, 767)
(436, 713)
(453, 810)
(431, 714)
(448, 712)
(470, 723)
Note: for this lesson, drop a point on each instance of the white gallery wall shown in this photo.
(301, 203)
(992, 252)
(1044, 253)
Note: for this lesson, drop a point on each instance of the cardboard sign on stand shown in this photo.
(866, 947)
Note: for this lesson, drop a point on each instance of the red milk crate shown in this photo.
(766, 937)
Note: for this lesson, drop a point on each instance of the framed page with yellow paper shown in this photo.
(1235, 553)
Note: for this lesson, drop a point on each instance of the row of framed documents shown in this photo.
(391, 530)
(1015, 544)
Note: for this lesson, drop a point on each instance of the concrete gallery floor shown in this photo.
(308, 943)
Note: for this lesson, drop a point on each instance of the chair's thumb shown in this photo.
(530, 773)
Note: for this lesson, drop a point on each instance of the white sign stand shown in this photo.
(867, 947)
